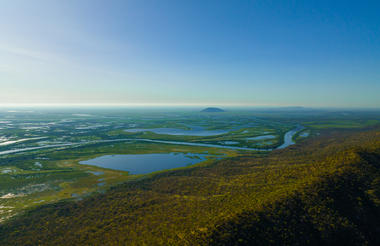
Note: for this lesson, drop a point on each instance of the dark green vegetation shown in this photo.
(323, 191)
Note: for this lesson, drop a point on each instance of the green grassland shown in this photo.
(341, 124)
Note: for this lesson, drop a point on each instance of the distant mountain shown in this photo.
(212, 110)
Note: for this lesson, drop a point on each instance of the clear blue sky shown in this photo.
(306, 53)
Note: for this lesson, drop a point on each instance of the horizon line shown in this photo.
(172, 105)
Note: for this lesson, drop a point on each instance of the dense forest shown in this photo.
(322, 191)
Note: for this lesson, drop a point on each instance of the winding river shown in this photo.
(288, 140)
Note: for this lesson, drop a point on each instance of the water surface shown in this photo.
(288, 137)
(145, 163)
(194, 131)
(264, 137)
(288, 140)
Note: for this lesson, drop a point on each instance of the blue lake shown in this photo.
(230, 142)
(145, 163)
(194, 131)
(263, 137)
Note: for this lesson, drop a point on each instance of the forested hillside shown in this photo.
(323, 191)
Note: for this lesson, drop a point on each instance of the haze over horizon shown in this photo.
(307, 53)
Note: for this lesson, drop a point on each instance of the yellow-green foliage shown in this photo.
(324, 191)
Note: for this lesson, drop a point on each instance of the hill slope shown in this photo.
(322, 192)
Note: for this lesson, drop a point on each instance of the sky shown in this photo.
(200, 52)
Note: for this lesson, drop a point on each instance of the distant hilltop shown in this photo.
(212, 110)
